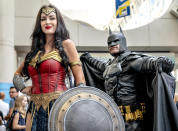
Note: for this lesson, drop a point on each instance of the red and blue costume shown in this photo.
(48, 83)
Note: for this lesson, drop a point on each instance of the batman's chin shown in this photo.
(115, 54)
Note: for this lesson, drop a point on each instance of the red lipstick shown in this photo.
(48, 27)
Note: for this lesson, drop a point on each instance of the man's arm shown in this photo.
(9, 114)
(11, 108)
(148, 64)
(95, 63)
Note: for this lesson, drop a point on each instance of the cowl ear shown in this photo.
(121, 30)
(110, 32)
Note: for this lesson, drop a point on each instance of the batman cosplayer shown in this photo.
(140, 85)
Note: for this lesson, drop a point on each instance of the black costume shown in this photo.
(130, 80)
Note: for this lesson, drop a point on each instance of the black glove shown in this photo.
(85, 56)
(93, 62)
(165, 63)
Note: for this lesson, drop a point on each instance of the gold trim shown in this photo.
(121, 110)
(83, 96)
(75, 63)
(52, 55)
(32, 116)
(128, 115)
(143, 107)
(48, 10)
(44, 99)
(138, 115)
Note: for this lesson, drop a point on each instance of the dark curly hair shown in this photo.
(38, 40)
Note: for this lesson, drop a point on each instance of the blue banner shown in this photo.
(122, 8)
(5, 87)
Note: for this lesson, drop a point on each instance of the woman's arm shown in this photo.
(15, 125)
(72, 54)
(19, 69)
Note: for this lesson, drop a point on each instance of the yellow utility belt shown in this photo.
(133, 112)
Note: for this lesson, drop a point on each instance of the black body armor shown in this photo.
(124, 75)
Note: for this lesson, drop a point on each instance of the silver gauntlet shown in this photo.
(81, 85)
(18, 82)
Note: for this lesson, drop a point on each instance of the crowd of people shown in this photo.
(12, 115)
(53, 56)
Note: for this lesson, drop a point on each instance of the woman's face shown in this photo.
(48, 23)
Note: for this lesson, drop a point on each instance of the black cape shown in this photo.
(93, 77)
(165, 114)
(165, 111)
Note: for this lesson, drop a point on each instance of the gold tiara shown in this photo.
(47, 10)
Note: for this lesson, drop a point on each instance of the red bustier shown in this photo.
(49, 77)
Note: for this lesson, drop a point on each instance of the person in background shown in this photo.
(47, 64)
(1, 118)
(19, 113)
(13, 94)
(176, 99)
(4, 107)
(2, 126)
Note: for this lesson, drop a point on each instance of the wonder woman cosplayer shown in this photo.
(47, 64)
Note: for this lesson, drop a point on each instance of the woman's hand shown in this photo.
(27, 90)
